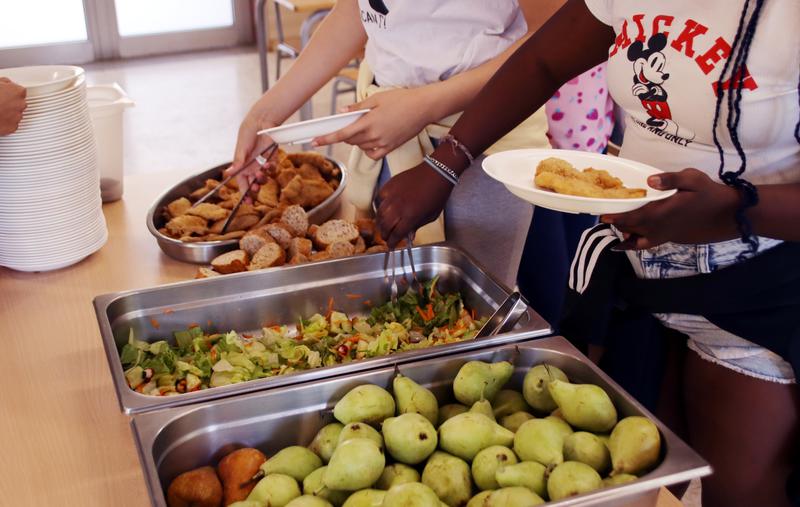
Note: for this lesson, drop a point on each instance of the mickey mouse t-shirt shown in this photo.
(417, 42)
(663, 69)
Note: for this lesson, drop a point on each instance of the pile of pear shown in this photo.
(495, 447)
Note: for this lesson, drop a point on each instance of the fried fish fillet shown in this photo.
(561, 177)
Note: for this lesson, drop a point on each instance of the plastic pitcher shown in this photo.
(106, 105)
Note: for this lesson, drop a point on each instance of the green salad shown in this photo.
(199, 360)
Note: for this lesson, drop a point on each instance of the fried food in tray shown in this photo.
(304, 179)
(561, 177)
(291, 240)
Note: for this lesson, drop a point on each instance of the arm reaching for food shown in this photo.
(398, 115)
(12, 105)
(338, 39)
(521, 86)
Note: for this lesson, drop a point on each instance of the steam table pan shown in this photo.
(246, 301)
(176, 440)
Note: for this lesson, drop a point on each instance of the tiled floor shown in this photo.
(189, 106)
(188, 110)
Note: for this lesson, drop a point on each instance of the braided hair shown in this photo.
(733, 73)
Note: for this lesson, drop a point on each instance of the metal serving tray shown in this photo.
(204, 252)
(247, 301)
(177, 440)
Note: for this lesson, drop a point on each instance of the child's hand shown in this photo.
(410, 200)
(395, 117)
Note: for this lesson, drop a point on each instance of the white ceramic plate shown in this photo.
(305, 131)
(516, 169)
(43, 79)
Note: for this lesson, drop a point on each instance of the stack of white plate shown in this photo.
(50, 207)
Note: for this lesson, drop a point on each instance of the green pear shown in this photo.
(557, 413)
(275, 490)
(477, 380)
(561, 424)
(309, 501)
(604, 437)
(587, 448)
(540, 440)
(366, 498)
(618, 479)
(487, 462)
(448, 476)
(325, 441)
(479, 499)
(467, 434)
(534, 386)
(366, 403)
(513, 421)
(360, 430)
(527, 474)
(513, 497)
(584, 406)
(246, 503)
(295, 461)
(411, 494)
(483, 407)
(412, 397)
(572, 478)
(313, 485)
(507, 402)
(451, 410)
(410, 438)
(355, 464)
(635, 445)
(395, 474)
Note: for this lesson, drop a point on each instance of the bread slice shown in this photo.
(253, 240)
(295, 219)
(341, 249)
(299, 259)
(231, 262)
(206, 273)
(299, 246)
(377, 249)
(333, 231)
(281, 234)
(360, 245)
(269, 256)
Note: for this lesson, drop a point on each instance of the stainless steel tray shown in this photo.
(247, 301)
(203, 253)
(176, 440)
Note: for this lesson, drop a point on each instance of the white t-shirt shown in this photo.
(417, 42)
(666, 84)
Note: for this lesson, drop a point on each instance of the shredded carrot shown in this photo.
(169, 311)
(248, 336)
(354, 296)
(193, 324)
(154, 323)
(354, 339)
(431, 314)
(422, 314)
(330, 308)
(368, 303)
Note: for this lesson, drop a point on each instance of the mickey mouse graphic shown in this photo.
(649, 76)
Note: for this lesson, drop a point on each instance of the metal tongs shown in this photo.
(393, 290)
(505, 317)
(261, 160)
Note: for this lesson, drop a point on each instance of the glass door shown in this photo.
(149, 26)
(78, 31)
(43, 30)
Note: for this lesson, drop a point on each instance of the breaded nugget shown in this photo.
(178, 207)
(268, 193)
(285, 176)
(187, 225)
(316, 159)
(602, 178)
(208, 211)
(309, 172)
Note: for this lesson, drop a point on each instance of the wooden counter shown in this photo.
(64, 440)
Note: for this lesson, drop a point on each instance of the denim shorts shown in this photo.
(672, 260)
